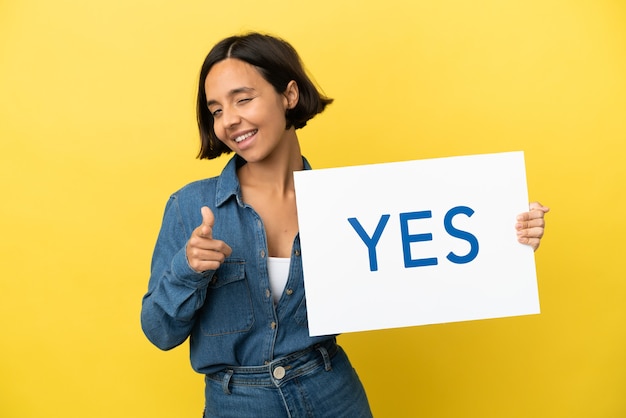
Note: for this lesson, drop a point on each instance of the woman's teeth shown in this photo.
(244, 136)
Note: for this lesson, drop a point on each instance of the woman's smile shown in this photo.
(244, 140)
(245, 136)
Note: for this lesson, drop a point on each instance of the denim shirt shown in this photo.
(229, 313)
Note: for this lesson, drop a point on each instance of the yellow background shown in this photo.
(97, 129)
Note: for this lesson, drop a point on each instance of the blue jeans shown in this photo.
(318, 382)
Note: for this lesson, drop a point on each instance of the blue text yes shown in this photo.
(407, 238)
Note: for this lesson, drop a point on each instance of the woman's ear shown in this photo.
(292, 94)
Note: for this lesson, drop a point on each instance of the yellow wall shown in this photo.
(97, 129)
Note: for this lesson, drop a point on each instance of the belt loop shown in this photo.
(327, 364)
(226, 381)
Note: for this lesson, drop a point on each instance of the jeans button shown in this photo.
(279, 372)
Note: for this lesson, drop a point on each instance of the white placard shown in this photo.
(414, 243)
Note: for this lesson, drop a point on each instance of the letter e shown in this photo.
(407, 239)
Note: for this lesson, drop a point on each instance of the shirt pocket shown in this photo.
(228, 305)
(301, 314)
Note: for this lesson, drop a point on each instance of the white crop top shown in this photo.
(278, 271)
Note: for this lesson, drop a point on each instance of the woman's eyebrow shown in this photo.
(232, 93)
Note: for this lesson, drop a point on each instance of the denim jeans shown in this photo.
(315, 383)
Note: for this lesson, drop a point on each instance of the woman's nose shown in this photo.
(230, 118)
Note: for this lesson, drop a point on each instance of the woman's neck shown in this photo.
(274, 173)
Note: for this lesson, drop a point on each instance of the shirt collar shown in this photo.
(228, 182)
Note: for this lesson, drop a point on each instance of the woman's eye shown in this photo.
(245, 100)
(216, 113)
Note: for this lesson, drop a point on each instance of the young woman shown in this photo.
(226, 269)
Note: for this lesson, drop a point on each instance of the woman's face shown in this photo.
(248, 113)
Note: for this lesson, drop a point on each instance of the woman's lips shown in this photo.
(245, 136)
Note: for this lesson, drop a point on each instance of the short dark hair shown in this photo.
(278, 63)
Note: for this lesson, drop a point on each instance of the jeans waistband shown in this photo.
(281, 370)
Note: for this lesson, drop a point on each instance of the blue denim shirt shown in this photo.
(229, 313)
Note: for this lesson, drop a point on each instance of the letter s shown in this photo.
(457, 233)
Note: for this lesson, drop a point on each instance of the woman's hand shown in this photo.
(203, 252)
(530, 225)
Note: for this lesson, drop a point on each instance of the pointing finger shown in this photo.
(208, 220)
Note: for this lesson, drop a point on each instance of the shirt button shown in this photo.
(289, 292)
(279, 372)
(267, 293)
(262, 253)
(273, 325)
(297, 252)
